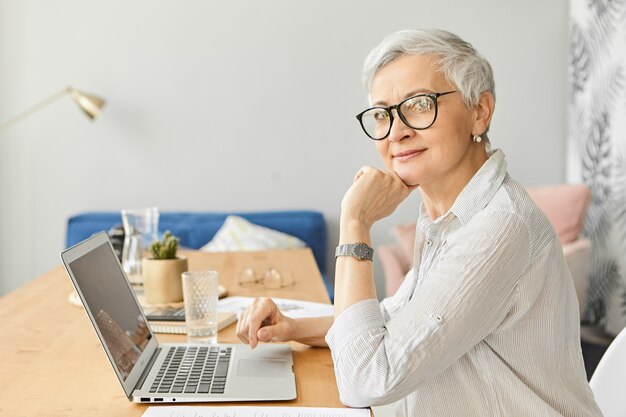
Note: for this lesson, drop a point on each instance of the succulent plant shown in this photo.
(166, 248)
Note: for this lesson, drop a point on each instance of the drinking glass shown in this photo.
(200, 293)
(140, 230)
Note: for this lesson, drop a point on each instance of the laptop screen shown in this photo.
(115, 311)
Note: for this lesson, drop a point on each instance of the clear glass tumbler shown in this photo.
(200, 293)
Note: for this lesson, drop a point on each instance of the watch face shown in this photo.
(361, 251)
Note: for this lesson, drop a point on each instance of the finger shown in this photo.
(361, 171)
(240, 320)
(242, 326)
(274, 333)
(265, 334)
(264, 310)
(245, 320)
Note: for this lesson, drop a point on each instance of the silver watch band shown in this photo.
(360, 251)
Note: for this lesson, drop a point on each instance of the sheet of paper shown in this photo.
(201, 411)
(291, 308)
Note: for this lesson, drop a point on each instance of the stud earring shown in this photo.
(477, 138)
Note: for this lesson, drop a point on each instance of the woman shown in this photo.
(487, 321)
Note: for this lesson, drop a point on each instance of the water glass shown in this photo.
(200, 293)
(140, 230)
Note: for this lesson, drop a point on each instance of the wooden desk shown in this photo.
(54, 365)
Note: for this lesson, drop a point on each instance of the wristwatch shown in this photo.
(360, 251)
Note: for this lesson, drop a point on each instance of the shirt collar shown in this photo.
(481, 188)
(477, 193)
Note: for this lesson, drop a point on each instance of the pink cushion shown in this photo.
(394, 267)
(565, 206)
(397, 259)
(405, 233)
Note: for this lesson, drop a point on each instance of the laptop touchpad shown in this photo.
(263, 368)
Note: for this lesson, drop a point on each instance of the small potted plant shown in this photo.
(162, 282)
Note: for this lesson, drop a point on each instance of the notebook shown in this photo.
(165, 324)
(152, 372)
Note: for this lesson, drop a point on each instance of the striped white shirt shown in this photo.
(485, 324)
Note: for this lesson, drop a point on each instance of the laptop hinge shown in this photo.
(147, 369)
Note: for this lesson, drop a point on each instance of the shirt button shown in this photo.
(429, 242)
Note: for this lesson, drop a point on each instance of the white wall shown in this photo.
(236, 105)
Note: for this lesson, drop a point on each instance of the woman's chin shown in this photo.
(412, 184)
(409, 180)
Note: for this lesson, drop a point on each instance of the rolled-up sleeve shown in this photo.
(390, 305)
(464, 297)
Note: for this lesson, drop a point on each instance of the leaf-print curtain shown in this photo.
(597, 149)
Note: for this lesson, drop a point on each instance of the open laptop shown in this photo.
(152, 372)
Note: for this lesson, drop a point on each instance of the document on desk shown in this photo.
(291, 308)
(200, 411)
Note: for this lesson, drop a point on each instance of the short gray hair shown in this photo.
(460, 63)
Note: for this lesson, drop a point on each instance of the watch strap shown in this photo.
(360, 251)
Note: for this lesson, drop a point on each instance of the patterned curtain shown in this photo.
(597, 149)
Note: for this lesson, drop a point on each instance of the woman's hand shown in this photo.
(263, 322)
(374, 195)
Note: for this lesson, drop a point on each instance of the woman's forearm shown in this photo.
(354, 279)
(312, 330)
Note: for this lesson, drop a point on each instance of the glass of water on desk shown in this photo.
(200, 293)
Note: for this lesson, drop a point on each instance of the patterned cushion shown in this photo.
(238, 234)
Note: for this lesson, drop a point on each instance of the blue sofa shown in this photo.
(195, 229)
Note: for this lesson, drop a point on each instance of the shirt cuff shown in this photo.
(358, 319)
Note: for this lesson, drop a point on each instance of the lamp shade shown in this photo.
(91, 105)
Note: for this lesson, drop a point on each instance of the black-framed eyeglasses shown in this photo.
(418, 112)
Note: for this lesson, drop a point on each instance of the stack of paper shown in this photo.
(200, 411)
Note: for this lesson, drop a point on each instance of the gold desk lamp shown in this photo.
(91, 105)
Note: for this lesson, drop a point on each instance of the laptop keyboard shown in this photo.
(193, 369)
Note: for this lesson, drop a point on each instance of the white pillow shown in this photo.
(238, 234)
